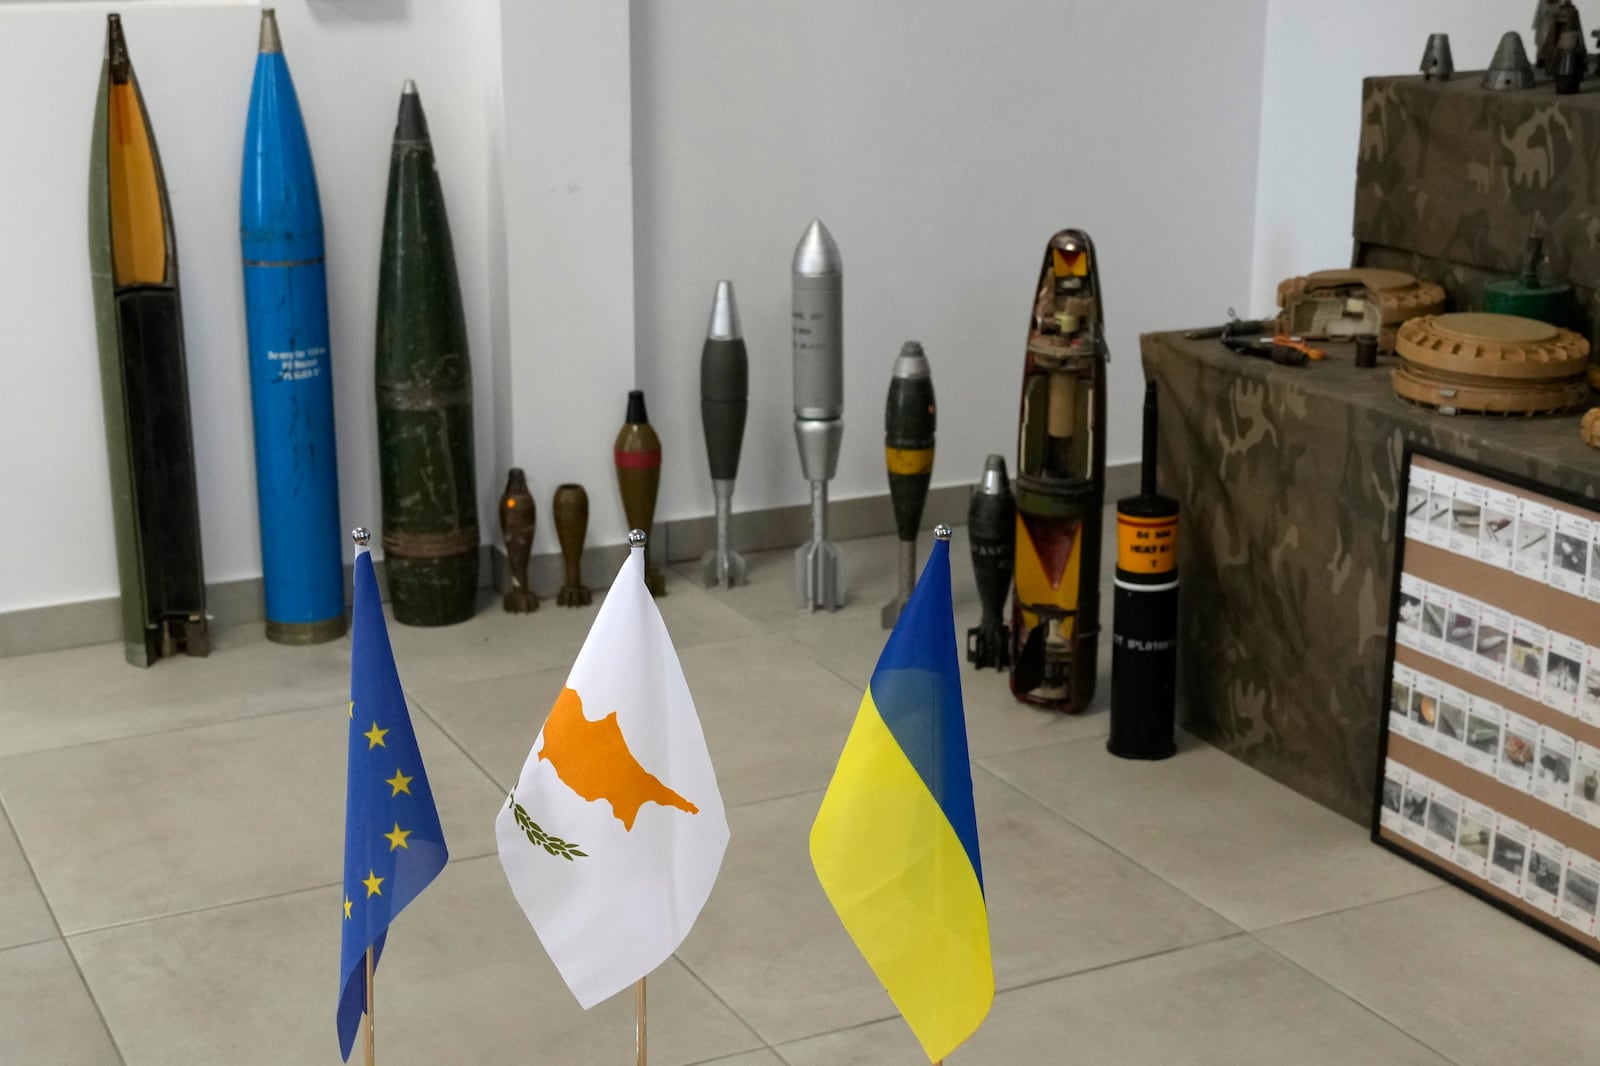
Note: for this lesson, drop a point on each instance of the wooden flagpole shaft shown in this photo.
(372, 1041)
(640, 1014)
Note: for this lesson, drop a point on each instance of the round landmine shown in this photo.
(1478, 344)
(1590, 429)
(1339, 304)
(1461, 394)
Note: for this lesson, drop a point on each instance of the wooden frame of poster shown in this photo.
(1489, 753)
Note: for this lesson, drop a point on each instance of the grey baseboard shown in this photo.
(71, 625)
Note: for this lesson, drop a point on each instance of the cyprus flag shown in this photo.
(614, 834)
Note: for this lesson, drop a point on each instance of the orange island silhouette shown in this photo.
(593, 759)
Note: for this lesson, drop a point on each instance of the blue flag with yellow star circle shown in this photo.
(393, 845)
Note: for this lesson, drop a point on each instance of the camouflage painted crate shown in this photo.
(1450, 177)
(1288, 481)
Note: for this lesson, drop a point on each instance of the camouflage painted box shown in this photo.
(1288, 478)
(1450, 177)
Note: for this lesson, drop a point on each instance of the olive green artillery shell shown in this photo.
(161, 578)
(424, 385)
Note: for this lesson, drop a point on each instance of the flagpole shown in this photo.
(636, 539)
(639, 1013)
(361, 538)
(372, 1036)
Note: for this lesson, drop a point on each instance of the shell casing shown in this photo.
(291, 374)
(133, 265)
(424, 388)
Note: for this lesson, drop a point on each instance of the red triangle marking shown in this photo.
(1052, 539)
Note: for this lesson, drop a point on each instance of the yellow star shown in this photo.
(400, 783)
(397, 839)
(375, 737)
(372, 882)
(347, 906)
(352, 708)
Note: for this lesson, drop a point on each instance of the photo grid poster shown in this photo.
(1491, 736)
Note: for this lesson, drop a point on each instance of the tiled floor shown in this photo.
(169, 858)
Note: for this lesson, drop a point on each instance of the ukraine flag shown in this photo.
(895, 843)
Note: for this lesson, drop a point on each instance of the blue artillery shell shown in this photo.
(291, 373)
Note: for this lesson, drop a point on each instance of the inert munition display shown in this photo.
(291, 374)
(991, 530)
(424, 379)
(133, 265)
(1061, 462)
(637, 454)
(909, 420)
(1144, 616)
(724, 402)
(817, 281)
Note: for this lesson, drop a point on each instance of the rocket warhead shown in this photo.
(817, 283)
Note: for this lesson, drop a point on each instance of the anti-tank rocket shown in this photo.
(1061, 462)
(724, 401)
(817, 279)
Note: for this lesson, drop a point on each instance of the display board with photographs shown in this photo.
(1491, 741)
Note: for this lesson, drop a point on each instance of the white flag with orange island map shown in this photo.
(615, 832)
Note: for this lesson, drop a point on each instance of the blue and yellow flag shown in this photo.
(895, 844)
(393, 845)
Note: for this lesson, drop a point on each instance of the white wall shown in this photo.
(1316, 56)
(604, 164)
(195, 62)
(568, 199)
(942, 143)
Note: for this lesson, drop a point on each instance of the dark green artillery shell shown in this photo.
(424, 382)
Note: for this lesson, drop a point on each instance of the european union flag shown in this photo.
(393, 845)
